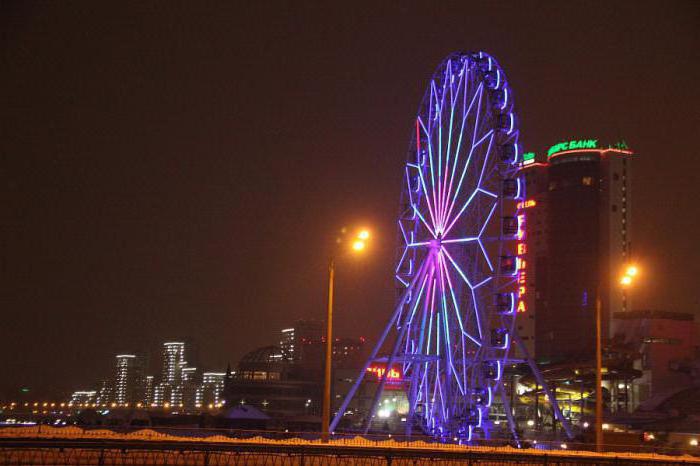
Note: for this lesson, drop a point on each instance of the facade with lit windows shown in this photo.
(83, 398)
(210, 392)
(168, 392)
(578, 230)
(189, 386)
(128, 381)
(148, 390)
(297, 342)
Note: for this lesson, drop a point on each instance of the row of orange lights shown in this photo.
(47, 404)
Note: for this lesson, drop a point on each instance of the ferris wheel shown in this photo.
(460, 267)
(459, 229)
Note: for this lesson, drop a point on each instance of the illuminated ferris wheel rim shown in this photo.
(455, 226)
(439, 215)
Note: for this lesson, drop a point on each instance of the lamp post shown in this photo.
(626, 280)
(358, 245)
(598, 376)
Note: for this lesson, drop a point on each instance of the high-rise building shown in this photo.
(578, 243)
(83, 398)
(128, 380)
(189, 386)
(173, 362)
(148, 392)
(210, 393)
(105, 394)
(297, 340)
(169, 389)
(287, 342)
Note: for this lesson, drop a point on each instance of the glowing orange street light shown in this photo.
(630, 272)
(359, 244)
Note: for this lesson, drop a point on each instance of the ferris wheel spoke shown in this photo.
(452, 174)
(458, 269)
(461, 211)
(476, 98)
(471, 288)
(454, 96)
(488, 135)
(458, 312)
(446, 324)
(486, 158)
(427, 226)
(468, 239)
(465, 115)
(430, 195)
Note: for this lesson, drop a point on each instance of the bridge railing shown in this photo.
(284, 437)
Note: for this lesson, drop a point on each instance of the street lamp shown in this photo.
(626, 280)
(357, 245)
(630, 272)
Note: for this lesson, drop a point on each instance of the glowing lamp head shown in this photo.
(358, 245)
(632, 270)
(626, 280)
(363, 235)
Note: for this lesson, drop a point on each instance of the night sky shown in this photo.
(178, 170)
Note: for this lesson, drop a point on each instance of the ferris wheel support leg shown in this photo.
(538, 376)
(415, 374)
(375, 351)
(380, 388)
(509, 414)
(412, 401)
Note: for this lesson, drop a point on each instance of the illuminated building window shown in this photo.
(587, 181)
(667, 341)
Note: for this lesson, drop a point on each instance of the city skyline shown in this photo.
(137, 175)
(150, 379)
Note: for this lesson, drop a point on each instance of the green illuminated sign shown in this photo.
(573, 145)
(528, 158)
